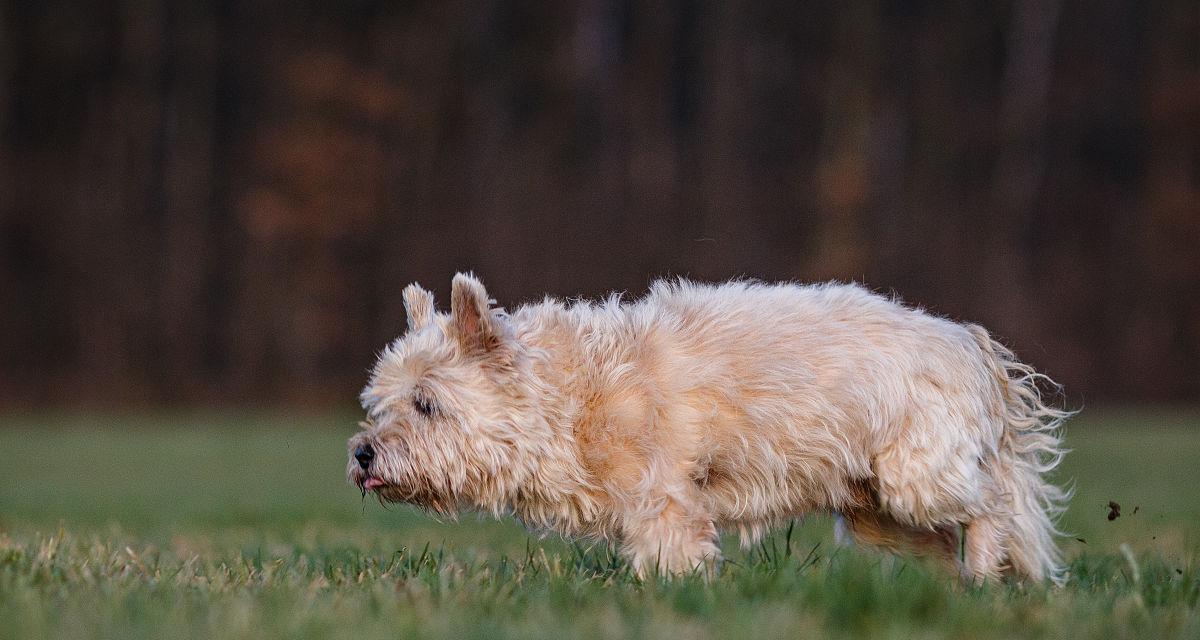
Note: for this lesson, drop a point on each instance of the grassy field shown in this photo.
(243, 527)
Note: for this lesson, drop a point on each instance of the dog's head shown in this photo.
(452, 408)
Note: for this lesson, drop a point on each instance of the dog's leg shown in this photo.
(881, 530)
(984, 551)
(842, 534)
(675, 539)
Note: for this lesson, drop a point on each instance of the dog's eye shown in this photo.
(423, 406)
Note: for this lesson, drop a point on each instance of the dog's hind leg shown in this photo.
(862, 521)
(869, 526)
(984, 553)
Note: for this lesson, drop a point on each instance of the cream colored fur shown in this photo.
(700, 408)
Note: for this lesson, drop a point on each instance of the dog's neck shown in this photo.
(560, 495)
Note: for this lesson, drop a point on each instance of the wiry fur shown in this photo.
(698, 408)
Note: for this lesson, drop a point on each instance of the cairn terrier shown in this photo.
(699, 408)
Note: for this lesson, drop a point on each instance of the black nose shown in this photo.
(364, 454)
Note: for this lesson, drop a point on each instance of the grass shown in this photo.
(242, 527)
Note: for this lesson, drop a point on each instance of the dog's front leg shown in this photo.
(671, 537)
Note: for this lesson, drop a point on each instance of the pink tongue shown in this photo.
(372, 482)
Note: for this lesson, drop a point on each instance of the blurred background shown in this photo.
(216, 204)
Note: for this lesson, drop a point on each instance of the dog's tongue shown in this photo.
(373, 482)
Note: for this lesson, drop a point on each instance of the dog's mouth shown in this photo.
(371, 483)
(434, 503)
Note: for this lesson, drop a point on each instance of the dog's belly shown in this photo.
(762, 482)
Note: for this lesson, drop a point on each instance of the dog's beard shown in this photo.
(397, 478)
(436, 502)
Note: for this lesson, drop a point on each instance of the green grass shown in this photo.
(242, 527)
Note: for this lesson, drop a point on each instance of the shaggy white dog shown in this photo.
(699, 408)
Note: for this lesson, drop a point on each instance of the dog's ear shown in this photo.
(418, 305)
(476, 327)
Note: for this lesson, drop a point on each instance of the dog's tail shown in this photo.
(1030, 447)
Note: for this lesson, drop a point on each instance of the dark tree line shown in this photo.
(220, 202)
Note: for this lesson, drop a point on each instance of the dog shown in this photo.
(699, 408)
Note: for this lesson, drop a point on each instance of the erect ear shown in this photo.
(475, 325)
(418, 304)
